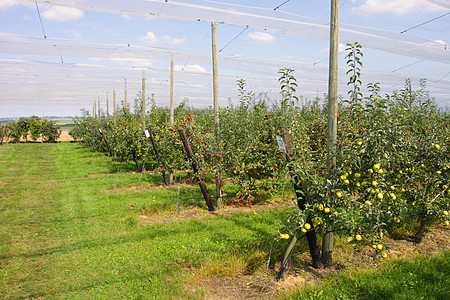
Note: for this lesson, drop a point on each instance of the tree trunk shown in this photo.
(138, 168)
(422, 226)
(311, 234)
(314, 249)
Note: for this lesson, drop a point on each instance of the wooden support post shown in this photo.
(125, 95)
(327, 244)
(98, 106)
(171, 91)
(106, 141)
(216, 109)
(201, 183)
(171, 113)
(114, 102)
(158, 157)
(143, 98)
(107, 105)
(311, 234)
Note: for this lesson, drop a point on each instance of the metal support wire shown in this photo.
(40, 20)
(274, 233)
(426, 22)
(281, 4)
(409, 65)
(246, 27)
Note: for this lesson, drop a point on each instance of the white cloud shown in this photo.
(128, 60)
(62, 14)
(5, 4)
(126, 16)
(72, 34)
(190, 68)
(341, 48)
(261, 36)
(397, 7)
(151, 38)
(173, 41)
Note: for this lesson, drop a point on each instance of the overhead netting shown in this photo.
(75, 72)
(267, 19)
(442, 3)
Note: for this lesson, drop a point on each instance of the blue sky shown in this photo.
(59, 22)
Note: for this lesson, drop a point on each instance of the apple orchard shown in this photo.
(392, 154)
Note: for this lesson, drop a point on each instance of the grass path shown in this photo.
(63, 236)
(67, 238)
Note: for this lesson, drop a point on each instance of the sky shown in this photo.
(56, 59)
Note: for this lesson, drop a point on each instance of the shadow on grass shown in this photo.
(95, 243)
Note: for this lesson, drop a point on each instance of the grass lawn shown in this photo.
(421, 278)
(64, 234)
(72, 226)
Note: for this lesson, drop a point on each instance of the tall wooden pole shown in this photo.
(98, 106)
(114, 102)
(327, 244)
(125, 95)
(171, 91)
(143, 98)
(93, 110)
(216, 108)
(171, 112)
(107, 105)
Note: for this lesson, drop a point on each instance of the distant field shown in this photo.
(63, 121)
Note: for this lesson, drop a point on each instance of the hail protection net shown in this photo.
(92, 68)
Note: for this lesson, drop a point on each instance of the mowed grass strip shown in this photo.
(404, 279)
(63, 234)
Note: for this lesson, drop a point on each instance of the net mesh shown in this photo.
(87, 69)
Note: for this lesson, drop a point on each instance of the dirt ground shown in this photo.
(65, 137)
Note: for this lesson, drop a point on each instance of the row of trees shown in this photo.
(33, 127)
(391, 155)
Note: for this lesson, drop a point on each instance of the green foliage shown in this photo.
(382, 143)
(35, 127)
(14, 132)
(288, 85)
(22, 127)
(354, 65)
(50, 131)
(392, 161)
